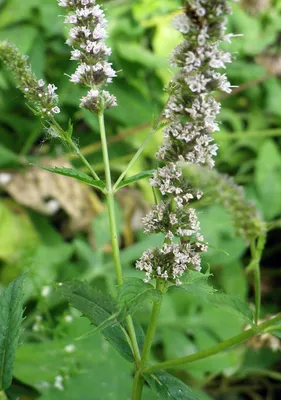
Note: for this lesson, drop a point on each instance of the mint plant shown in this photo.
(185, 159)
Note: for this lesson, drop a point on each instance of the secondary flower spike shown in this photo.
(41, 96)
(191, 115)
(87, 38)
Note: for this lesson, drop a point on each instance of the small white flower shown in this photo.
(56, 110)
(41, 83)
(71, 19)
(75, 55)
(201, 11)
(75, 78)
(181, 23)
(51, 89)
(63, 3)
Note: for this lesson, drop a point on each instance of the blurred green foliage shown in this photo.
(141, 39)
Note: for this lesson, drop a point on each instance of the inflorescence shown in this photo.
(87, 39)
(221, 188)
(41, 96)
(191, 119)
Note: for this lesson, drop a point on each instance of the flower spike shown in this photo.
(191, 115)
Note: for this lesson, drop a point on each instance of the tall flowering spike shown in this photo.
(87, 39)
(191, 119)
(42, 97)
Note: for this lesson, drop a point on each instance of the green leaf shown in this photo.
(73, 173)
(102, 373)
(7, 157)
(202, 395)
(11, 310)
(134, 293)
(195, 284)
(233, 304)
(97, 307)
(169, 387)
(135, 178)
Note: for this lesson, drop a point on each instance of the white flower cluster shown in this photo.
(191, 115)
(87, 38)
(47, 97)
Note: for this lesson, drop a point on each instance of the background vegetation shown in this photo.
(58, 229)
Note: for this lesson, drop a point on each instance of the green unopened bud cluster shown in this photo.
(222, 188)
(41, 97)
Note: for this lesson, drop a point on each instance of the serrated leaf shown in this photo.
(169, 387)
(233, 304)
(135, 178)
(193, 276)
(11, 310)
(195, 283)
(97, 307)
(134, 293)
(73, 173)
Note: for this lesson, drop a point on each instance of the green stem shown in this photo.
(138, 379)
(273, 225)
(264, 372)
(137, 386)
(136, 156)
(83, 159)
(257, 283)
(152, 326)
(75, 148)
(114, 233)
(110, 203)
(274, 328)
(256, 251)
(226, 344)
